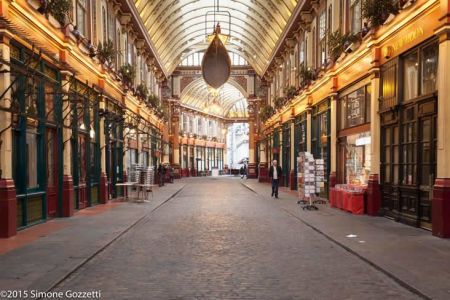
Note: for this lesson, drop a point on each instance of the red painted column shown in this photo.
(440, 208)
(263, 172)
(333, 179)
(373, 196)
(252, 171)
(8, 208)
(68, 205)
(103, 188)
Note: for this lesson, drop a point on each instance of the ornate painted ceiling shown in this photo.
(178, 28)
(232, 102)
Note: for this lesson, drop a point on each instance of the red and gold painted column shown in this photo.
(373, 185)
(252, 121)
(441, 192)
(175, 106)
(8, 202)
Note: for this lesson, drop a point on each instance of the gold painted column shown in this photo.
(8, 205)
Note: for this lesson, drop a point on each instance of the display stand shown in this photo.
(306, 180)
(320, 179)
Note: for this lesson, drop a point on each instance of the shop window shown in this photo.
(409, 158)
(355, 16)
(410, 76)
(357, 159)
(322, 38)
(32, 158)
(81, 13)
(82, 163)
(51, 166)
(388, 85)
(104, 25)
(355, 108)
(49, 102)
(429, 69)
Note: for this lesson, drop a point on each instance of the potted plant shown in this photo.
(142, 91)
(279, 102)
(266, 112)
(376, 12)
(59, 9)
(153, 101)
(290, 92)
(306, 75)
(128, 73)
(105, 52)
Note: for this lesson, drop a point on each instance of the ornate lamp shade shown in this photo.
(216, 64)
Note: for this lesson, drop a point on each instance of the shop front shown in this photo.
(84, 102)
(286, 153)
(408, 110)
(113, 147)
(37, 133)
(300, 137)
(320, 139)
(354, 138)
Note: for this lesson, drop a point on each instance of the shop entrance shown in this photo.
(409, 164)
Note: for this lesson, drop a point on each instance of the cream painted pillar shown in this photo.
(375, 125)
(6, 137)
(333, 133)
(67, 131)
(440, 204)
(308, 128)
(188, 155)
(293, 154)
(263, 152)
(443, 130)
(251, 142)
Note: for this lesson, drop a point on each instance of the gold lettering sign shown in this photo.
(408, 38)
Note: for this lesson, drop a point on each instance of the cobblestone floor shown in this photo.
(217, 239)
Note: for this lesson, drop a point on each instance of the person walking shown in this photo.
(241, 172)
(245, 172)
(274, 174)
(161, 171)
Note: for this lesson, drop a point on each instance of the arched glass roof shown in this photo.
(177, 27)
(231, 97)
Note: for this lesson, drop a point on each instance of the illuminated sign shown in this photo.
(388, 51)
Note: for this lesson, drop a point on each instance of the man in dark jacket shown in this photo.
(275, 174)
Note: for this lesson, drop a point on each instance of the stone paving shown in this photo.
(411, 255)
(217, 239)
(51, 255)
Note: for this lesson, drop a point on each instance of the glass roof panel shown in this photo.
(231, 99)
(177, 26)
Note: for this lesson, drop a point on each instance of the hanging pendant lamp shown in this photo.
(216, 63)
